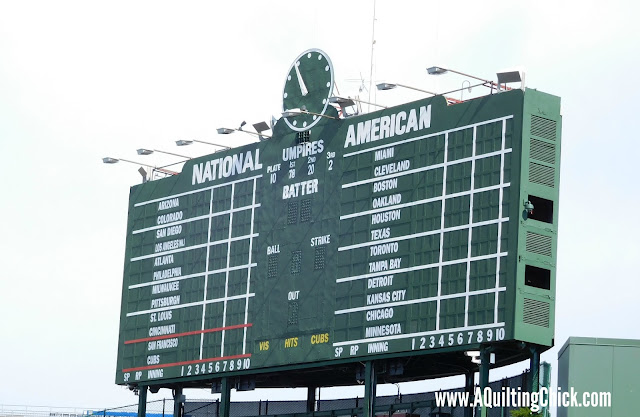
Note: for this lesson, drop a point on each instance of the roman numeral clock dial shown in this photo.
(308, 86)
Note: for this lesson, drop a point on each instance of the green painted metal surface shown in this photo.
(589, 364)
(398, 232)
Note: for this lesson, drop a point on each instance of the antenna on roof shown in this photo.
(373, 42)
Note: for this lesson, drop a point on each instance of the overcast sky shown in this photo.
(83, 80)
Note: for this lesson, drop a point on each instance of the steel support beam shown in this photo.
(534, 374)
(469, 385)
(311, 399)
(177, 402)
(142, 400)
(370, 381)
(225, 397)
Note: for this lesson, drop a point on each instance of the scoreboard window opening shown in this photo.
(537, 277)
(303, 137)
(542, 209)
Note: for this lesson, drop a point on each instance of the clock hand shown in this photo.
(303, 88)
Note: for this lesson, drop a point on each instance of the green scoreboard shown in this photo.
(416, 230)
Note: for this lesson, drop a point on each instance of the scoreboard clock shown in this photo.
(308, 86)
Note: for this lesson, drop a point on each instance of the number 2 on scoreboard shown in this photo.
(188, 371)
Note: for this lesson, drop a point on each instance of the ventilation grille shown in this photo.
(535, 313)
(541, 174)
(543, 128)
(542, 151)
(539, 244)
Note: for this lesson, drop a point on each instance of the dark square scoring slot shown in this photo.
(537, 277)
(542, 209)
(303, 137)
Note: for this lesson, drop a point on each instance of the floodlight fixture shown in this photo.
(184, 142)
(143, 151)
(506, 77)
(292, 112)
(510, 77)
(437, 70)
(110, 160)
(143, 172)
(261, 127)
(440, 71)
(385, 86)
(391, 86)
(229, 130)
(297, 112)
(342, 101)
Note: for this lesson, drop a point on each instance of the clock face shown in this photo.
(308, 86)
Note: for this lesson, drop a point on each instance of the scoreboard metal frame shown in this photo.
(415, 232)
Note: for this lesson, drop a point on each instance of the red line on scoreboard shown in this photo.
(169, 336)
(165, 365)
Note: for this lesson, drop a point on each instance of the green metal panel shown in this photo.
(600, 365)
(537, 240)
(395, 233)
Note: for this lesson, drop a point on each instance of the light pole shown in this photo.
(259, 127)
(143, 151)
(345, 102)
(184, 142)
(110, 160)
(503, 77)
(297, 112)
(391, 86)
